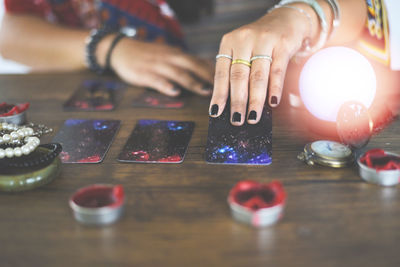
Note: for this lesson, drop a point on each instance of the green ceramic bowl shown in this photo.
(29, 179)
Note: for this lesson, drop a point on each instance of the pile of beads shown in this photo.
(14, 137)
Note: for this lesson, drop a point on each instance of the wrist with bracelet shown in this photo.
(324, 33)
(92, 43)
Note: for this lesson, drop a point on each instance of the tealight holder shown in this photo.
(18, 119)
(380, 167)
(257, 204)
(98, 204)
(18, 116)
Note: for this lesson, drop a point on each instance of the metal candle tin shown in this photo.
(98, 204)
(257, 204)
(382, 177)
(19, 118)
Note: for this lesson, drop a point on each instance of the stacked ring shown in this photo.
(223, 55)
(241, 61)
(261, 57)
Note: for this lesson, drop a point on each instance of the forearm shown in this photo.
(353, 17)
(41, 45)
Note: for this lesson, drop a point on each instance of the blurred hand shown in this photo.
(161, 67)
(279, 34)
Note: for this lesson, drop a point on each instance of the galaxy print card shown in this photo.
(86, 141)
(95, 95)
(247, 144)
(154, 99)
(155, 141)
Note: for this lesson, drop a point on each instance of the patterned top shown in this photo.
(380, 36)
(154, 19)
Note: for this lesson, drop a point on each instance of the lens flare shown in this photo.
(334, 76)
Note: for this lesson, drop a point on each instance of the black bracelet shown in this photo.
(94, 39)
(40, 158)
(111, 49)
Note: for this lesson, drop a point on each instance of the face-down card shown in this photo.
(157, 141)
(86, 141)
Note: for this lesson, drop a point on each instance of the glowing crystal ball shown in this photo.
(333, 76)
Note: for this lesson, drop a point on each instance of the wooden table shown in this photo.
(177, 214)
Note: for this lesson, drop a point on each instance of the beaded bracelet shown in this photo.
(92, 42)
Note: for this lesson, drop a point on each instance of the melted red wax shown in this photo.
(379, 160)
(255, 196)
(98, 196)
(10, 109)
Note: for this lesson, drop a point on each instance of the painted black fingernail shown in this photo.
(274, 100)
(214, 109)
(237, 117)
(252, 115)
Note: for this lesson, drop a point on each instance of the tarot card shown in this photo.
(247, 144)
(154, 141)
(86, 141)
(93, 95)
(153, 99)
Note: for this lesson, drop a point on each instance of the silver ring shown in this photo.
(223, 55)
(261, 57)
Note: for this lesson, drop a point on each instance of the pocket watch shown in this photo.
(327, 153)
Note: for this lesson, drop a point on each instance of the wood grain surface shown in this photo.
(177, 214)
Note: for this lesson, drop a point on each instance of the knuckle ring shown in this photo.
(269, 58)
(241, 61)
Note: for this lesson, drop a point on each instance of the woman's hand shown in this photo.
(161, 67)
(279, 34)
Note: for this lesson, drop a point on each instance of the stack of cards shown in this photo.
(247, 144)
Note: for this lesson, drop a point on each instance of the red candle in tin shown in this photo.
(98, 196)
(255, 196)
(10, 109)
(380, 160)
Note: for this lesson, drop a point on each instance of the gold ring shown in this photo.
(241, 61)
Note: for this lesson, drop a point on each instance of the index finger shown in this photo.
(221, 83)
